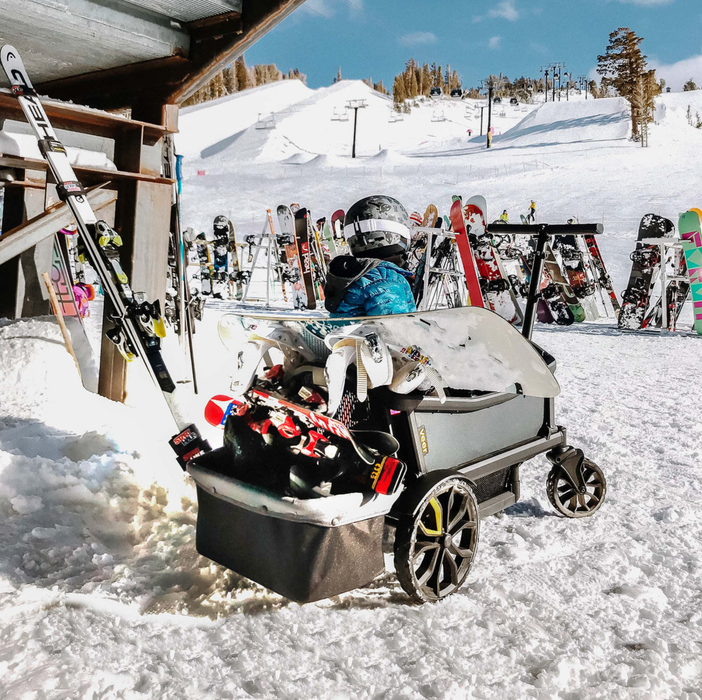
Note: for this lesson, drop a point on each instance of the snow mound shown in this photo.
(390, 157)
(298, 158)
(323, 161)
(571, 122)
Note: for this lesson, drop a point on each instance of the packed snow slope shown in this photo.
(573, 157)
(103, 596)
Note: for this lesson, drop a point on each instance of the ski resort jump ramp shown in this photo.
(551, 124)
(570, 122)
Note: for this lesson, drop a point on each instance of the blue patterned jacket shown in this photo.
(367, 287)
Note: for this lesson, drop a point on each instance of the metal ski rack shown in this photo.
(457, 273)
(542, 233)
(264, 239)
(663, 244)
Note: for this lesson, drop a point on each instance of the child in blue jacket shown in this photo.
(372, 280)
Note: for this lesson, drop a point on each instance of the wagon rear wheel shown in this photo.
(435, 542)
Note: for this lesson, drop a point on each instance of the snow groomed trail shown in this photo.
(102, 594)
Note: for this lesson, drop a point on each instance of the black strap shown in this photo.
(72, 188)
(21, 90)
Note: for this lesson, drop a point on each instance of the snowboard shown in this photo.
(223, 232)
(576, 272)
(305, 259)
(644, 272)
(553, 268)
(475, 297)
(431, 215)
(288, 241)
(605, 281)
(202, 246)
(689, 227)
(471, 348)
(494, 284)
(328, 236)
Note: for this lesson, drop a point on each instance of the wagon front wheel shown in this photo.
(435, 543)
(573, 502)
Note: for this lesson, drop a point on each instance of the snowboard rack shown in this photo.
(543, 233)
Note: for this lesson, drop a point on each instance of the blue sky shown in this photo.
(375, 37)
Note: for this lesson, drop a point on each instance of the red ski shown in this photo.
(475, 297)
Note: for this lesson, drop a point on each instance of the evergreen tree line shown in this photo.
(237, 77)
(417, 81)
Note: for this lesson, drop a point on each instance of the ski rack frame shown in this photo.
(188, 443)
(542, 233)
(433, 233)
(667, 243)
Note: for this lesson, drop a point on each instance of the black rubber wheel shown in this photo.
(567, 501)
(435, 544)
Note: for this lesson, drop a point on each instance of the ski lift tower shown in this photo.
(582, 79)
(491, 84)
(556, 69)
(355, 105)
(546, 70)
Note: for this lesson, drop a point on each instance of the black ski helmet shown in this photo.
(377, 227)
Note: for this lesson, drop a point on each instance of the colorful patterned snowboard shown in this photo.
(689, 227)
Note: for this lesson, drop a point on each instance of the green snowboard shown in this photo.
(689, 227)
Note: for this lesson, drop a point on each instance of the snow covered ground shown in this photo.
(102, 594)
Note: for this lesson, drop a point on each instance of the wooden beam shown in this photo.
(122, 87)
(31, 232)
(87, 176)
(85, 120)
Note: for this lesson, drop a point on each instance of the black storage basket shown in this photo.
(301, 561)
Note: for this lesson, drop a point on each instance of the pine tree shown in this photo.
(398, 92)
(622, 67)
(689, 86)
(242, 74)
(229, 79)
(426, 80)
(338, 76)
(414, 88)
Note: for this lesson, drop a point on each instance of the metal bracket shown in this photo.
(570, 460)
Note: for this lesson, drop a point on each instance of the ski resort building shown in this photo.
(114, 73)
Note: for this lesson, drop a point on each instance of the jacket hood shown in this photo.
(343, 271)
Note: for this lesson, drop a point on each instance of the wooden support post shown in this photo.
(142, 218)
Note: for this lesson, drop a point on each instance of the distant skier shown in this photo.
(531, 216)
(504, 217)
(372, 281)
